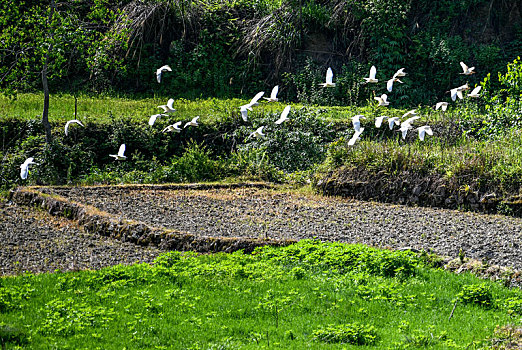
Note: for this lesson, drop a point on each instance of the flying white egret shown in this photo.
(404, 129)
(69, 123)
(467, 70)
(458, 91)
(410, 120)
(389, 83)
(356, 121)
(257, 133)
(441, 105)
(379, 120)
(273, 95)
(254, 102)
(153, 118)
(371, 78)
(284, 115)
(355, 137)
(475, 92)
(193, 122)
(160, 71)
(400, 73)
(24, 168)
(329, 79)
(173, 128)
(168, 108)
(423, 130)
(120, 155)
(382, 100)
(411, 112)
(244, 111)
(393, 121)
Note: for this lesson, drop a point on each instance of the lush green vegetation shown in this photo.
(307, 295)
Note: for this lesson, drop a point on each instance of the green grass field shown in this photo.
(308, 295)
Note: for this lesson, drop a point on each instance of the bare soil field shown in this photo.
(257, 213)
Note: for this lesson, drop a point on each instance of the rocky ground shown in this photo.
(251, 212)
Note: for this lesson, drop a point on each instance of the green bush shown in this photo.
(478, 294)
(351, 333)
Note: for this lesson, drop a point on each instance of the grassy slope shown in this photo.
(275, 298)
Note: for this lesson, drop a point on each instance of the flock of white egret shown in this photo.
(404, 126)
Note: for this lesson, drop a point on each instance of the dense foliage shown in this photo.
(307, 295)
(227, 48)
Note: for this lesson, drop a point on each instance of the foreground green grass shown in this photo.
(309, 295)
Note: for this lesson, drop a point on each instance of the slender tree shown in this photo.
(53, 40)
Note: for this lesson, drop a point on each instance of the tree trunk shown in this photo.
(45, 113)
(45, 84)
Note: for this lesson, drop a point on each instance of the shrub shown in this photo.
(476, 294)
(351, 333)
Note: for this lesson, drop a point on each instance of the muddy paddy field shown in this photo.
(32, 239)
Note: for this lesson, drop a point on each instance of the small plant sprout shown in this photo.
(356, 121)
(273, 95)
(355, 137)
(173, 127)
(284, 115)
(382, 100)
(168, 108)
(193, 122)
(329, 79)
(76, 121)
(120, 155)
(24, 168)
(475, 92)
(160, 71)
(467, 70)
(371, 77)
(423, 130)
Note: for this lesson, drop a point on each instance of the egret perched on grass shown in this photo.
(193, 122)
(24, 168)
(329, 79)
(475, 92)
(120, 155)
(356, 121)
(382, 100)
(423, 130)
(160, 71)
(173, 128)
(284, 115)
(153, 118)
(393, 121)
(168, 108)
(379, 120)
(257, 133)
(467, 70)
(442, 105)
(355, 137)
(273, 95)
(371, 78)
(69, 123)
